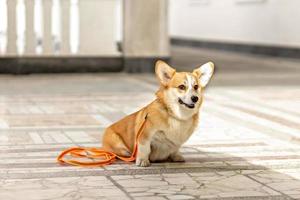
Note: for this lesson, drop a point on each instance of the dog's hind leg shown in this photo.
(114, 143)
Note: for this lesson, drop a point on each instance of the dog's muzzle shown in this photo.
(191, 106)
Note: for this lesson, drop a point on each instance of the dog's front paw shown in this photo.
(142, 162)
(177, 158)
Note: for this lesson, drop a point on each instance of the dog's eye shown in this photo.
(196, 87)
(181, 87)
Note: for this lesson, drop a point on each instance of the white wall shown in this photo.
(268, 22)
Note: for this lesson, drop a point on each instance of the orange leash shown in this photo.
(103, 157)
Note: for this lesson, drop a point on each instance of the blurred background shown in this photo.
(128, 36)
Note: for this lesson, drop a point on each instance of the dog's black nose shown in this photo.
(194, 99)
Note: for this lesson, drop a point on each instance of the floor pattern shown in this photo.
(246, 147)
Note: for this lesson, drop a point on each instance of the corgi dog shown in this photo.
(170, 119)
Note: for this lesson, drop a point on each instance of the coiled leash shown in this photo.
(103, 157)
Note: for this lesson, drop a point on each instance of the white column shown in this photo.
(56, 26)
(21, 26)
(47, 37)
(11, 28)
(119, 20)
(3, 26)
(74, 27)
(29, 33)
(145, 34)
(38, 26)
(146, 28)
(65, 27)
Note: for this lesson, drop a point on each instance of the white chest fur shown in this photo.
(169, 140)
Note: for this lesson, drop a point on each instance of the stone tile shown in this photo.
(227, 184)
(180, 197)
(180, 185)
(151, 198)
(60, 188)
(52, 120)
(60, 137)
(286, 182)
(36, 138)
(142, 182)
(79, 136)
(179, 179)
(142, 194)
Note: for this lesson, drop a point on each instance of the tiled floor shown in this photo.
(246, 147)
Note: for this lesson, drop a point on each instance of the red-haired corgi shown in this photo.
(171, 117)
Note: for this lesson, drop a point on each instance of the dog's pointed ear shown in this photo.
(164, 72)
(204, 73)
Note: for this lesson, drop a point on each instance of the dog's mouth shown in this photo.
(191, 106)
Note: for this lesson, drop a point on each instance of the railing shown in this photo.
(60, 28)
